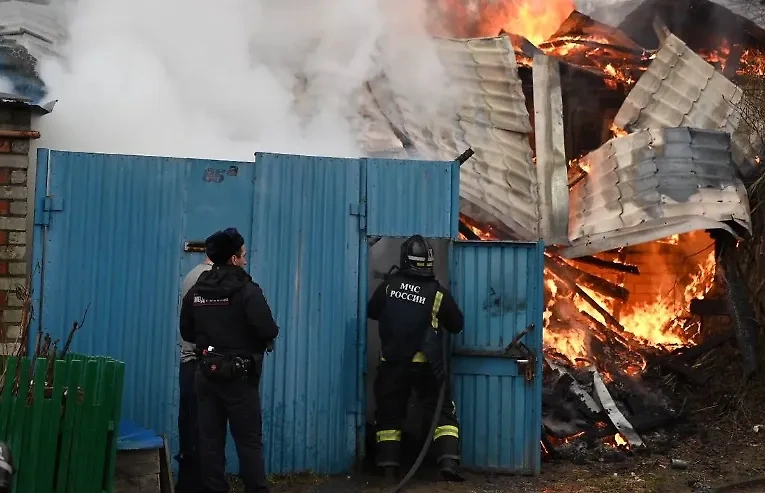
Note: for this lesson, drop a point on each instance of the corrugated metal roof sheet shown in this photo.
(614, 12)
(653, 184)
(29, 32)
(21, 101)
(549, 135)
(681, 89)
(372, 128)
(611, 13)
(499, 286)
(500, 179)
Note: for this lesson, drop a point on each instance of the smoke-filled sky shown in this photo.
(217, 79)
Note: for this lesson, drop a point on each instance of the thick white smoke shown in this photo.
(219, 79)
(610, 12)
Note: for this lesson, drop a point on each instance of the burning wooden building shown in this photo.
(627, 153)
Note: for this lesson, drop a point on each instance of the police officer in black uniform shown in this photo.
(412, 308)
(226, 315)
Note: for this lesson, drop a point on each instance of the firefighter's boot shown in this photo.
(449, 470)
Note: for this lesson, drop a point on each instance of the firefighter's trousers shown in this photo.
(392, 388)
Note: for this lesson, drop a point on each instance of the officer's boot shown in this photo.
(390, 475)
(448, 469)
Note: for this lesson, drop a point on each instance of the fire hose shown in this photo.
(436, 414)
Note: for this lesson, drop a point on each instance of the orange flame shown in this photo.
(656, 321)
(535, 20)
(616, 131)
(539, 20)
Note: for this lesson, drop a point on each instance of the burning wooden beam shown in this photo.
(467, 232)
(586, 279)
(606, 264)
(709, 307)
(580, 25)
(564, 277)
(611, 336)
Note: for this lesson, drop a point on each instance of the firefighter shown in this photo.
(188, 460)
(226, 316)
(412, 308)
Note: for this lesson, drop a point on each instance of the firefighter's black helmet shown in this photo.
(417, 257)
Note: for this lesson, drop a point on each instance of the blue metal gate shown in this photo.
(499, 287)
(110, 232)
(117, 234)
(306, 257)
(219, 194)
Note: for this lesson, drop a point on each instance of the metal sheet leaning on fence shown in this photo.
(412, 308)
(226, 315)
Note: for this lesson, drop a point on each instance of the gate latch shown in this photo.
(523, 356)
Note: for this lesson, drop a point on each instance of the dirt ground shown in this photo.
(723, 449)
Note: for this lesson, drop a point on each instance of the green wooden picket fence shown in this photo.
(63, 435)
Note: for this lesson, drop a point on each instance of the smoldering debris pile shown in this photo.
(606, 416)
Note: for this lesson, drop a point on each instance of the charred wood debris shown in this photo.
(602, 409)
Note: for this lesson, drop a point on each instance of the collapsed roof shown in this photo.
(681, 169)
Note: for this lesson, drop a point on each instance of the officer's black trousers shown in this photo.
(393, 384)
(188, 431)
(238, 402)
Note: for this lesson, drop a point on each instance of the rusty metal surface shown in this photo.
(681, 89)
(500, 180)
(19, 134)
(653, 184)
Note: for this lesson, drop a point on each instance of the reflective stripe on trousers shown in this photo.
(388, 436)
(419, 357)
(446, 431)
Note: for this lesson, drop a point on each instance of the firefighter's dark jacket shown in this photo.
(403, 324)
(227, 310)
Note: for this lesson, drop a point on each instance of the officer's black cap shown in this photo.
(222, 245)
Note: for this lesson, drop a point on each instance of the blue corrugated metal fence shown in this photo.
(499, 287)
(110, 233)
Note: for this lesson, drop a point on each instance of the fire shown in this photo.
(619, 440)
(535, 20)
(616, 131)
(751, 61)
(486, 234)
(660, 320)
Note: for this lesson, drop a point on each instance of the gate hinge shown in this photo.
(50, 204)
(360, 210)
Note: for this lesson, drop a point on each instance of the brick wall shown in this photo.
(14, 166)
